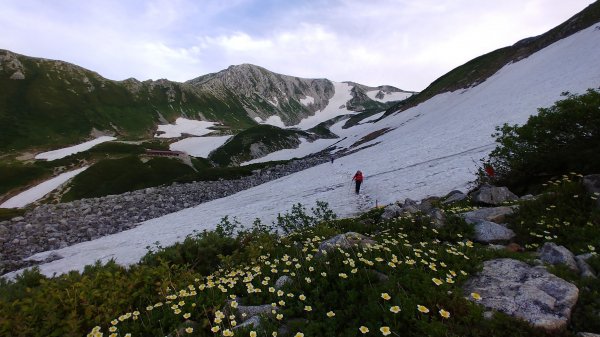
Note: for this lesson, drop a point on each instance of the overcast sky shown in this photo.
(405, 43)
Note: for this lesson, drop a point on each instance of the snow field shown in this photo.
(199, 146)
(67, 151)
(183, 125)
(39, 191)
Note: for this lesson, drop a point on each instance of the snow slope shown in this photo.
(199, 146)
(37, 192)
(335, 107)
(67, 151)
(183, 125)
(388, 97)
(431, 150)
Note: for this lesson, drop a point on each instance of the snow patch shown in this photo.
(388, 97)
(335, 107)
(308, 100)
(184, 125)
(275, 121)
(199, 146)
(67, 151)
(39, 191)
(258, 119)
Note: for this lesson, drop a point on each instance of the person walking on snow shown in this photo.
(358, 177)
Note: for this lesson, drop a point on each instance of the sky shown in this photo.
(404, 43)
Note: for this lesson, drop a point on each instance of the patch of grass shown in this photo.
(9, 213)
(237, 149)
(14, 175)
(115, 176)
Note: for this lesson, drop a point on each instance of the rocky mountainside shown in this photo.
(46, 104)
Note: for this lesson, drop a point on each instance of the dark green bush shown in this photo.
(560, 139)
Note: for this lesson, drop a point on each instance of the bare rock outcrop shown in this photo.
(530, 293)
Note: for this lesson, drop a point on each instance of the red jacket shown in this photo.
(358, 176)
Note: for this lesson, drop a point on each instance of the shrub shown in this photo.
(562, 138)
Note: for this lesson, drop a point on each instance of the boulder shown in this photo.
(254, 310)
(529, 293)
(554, 254)
(493, 214)
(427, 204)
(345, 241)
(592, 185)
(492, 195)
(491, 232)
(252, 322)
(437, 216)
(282, 280)
(584, 267)
(454, 196)
(587, 334)
(391, 211)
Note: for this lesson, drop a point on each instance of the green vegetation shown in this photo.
(237, 149)
(114, 176)
(14, 175)
(560, 139)
(9, 213)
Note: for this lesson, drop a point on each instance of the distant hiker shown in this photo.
(358, 177)
(331, 157)
(489, 170)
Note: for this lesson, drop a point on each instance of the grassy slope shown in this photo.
(237, 149)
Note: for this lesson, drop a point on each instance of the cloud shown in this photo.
(399, 42)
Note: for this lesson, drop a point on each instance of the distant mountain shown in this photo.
(45, 104)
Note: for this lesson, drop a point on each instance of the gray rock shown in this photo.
(17, 75)
(437, 216)
(491, 232)
(493, 214)
(454, 196)
(493, 195)
(252, 322)
(282, 280)
(584, 267)
(345, 241)
(592, 185)
(529, 293)
(553, 254)
(587, 334)
(427, 204)
(17, 219)
(254, 310)
(391, 211)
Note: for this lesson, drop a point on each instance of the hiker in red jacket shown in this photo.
(358, 177)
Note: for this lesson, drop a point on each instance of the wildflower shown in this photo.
(385, 330)
(307, 308)
(252, 333)
(189, 329)
(302, 297)
(299, 334)
(476, 296)
(343, 275)
(449, 280)
(323, 274)
(363, 329)
(279, 317)
(422, 309)
(281, 302)
(330, 314)
(271, 289)
(186, 315)
(149, 307)
(227, 333)
(437, 281)
(395, 309)
(386, 296)
(444, 313)
(234, 304)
